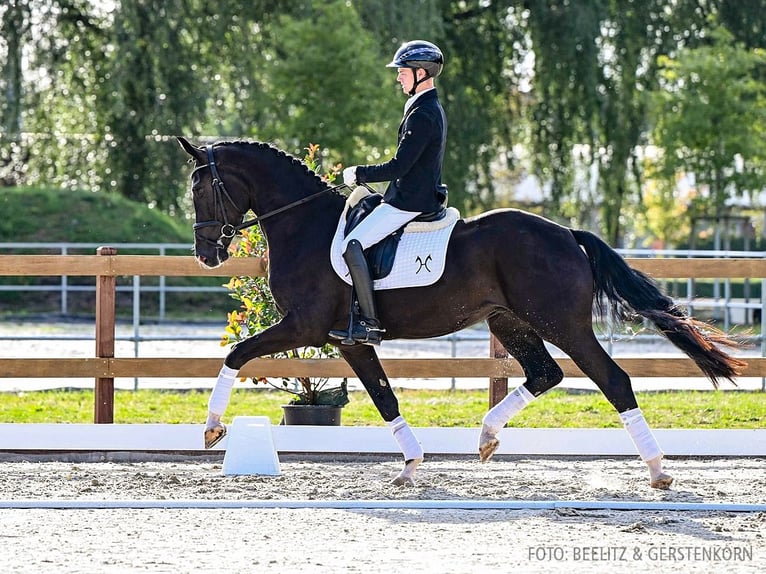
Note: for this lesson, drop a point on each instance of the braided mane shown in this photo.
(282, 155)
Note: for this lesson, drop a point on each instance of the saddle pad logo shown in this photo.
(423, 264)
(420, 257)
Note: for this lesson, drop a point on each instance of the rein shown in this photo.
(229, 230)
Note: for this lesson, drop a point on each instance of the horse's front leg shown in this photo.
(364, 362)
(280, 337)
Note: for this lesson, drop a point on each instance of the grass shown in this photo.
(559, 408)
(79, 216)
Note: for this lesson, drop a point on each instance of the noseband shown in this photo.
(229, 230)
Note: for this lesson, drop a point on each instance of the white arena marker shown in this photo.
(250, 448)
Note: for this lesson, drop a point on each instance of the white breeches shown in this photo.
(384, 220)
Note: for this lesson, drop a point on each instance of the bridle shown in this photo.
(229, 230)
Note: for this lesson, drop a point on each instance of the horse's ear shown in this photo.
(195, 152)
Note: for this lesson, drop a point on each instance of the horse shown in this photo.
(532, 280)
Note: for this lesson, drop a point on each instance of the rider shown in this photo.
(414, 174)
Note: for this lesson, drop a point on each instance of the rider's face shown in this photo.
(406, 78)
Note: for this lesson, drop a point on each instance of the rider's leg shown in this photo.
(384, 220)
(367, 329)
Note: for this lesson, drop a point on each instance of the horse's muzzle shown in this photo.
(217, 259)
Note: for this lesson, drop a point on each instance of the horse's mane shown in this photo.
(282, 155)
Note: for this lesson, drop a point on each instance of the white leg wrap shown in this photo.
(219, 398)
(404, 436)
(641, 434)
(506, 409)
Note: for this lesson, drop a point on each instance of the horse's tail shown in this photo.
(634, 292)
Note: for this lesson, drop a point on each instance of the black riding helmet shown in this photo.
(419, 54)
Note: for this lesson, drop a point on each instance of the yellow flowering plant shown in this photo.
(257, 311)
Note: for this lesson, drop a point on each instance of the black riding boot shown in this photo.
(365, 329)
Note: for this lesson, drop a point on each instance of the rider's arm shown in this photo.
(416, 135)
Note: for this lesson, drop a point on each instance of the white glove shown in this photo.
(349, 176)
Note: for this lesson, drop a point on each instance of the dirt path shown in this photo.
(383, 540)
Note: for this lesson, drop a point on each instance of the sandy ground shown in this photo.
(382, 540)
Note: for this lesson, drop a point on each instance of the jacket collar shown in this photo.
(417, 97)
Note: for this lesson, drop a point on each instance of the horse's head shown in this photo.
(218, 210)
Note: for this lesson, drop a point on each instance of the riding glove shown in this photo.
(349, 176)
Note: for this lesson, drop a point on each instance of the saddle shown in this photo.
(380, 257)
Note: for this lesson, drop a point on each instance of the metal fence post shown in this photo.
(763, 328)
(64, 288)
(136, 320)
(105, 322)
(163, 251)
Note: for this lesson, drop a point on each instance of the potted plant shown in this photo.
(314, 400)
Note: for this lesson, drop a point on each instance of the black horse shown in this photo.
(531, 279)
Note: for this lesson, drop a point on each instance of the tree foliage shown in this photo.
(94, 92)
(346, 99)
(711, 120)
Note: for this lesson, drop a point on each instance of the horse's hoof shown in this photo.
(403, 481)
(214, 435)
(488, 444)
(406, 477)
(662, 481)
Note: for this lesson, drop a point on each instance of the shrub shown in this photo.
(258, 311)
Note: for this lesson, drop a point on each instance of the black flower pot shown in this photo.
(319, 415)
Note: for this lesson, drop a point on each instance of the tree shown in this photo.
(593, 61)
(710, 115)
(151, 91)
(14, 24)
(34, 36)
(67, 54)
(328, 83)
(105, 86)
(478, 41)
(14, 27)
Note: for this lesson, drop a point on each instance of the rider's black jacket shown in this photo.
(416, 168)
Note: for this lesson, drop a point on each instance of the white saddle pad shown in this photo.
(420, 257)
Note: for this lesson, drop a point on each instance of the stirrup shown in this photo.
(373, 332)
(364, 331)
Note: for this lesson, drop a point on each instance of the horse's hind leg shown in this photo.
(364, 361)
(615, 383)
(542, 372)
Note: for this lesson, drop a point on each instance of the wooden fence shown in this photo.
(104, 367)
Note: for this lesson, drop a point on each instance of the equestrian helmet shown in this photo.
(419, 54)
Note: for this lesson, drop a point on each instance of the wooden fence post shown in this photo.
(498, 388)
(105, 321)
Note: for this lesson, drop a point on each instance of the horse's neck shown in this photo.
(304, 228)
(301, 228)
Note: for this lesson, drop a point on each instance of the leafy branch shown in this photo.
(257, 311)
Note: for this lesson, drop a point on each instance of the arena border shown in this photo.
(169, 438)
(402, 504)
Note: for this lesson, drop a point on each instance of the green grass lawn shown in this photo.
(558, 408)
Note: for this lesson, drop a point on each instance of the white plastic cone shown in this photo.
(250, 448)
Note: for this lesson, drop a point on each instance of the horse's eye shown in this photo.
(196, 186)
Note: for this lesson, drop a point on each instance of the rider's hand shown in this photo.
(349, 176)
